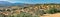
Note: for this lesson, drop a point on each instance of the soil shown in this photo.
(51, 15)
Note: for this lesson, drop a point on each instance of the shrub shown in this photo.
(24, 14)
(51, 11)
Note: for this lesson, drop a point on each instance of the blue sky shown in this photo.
(32, 1)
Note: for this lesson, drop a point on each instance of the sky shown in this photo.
(32, 1)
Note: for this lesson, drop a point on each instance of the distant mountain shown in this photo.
(18, 4)
(23, 4)
(5, 3)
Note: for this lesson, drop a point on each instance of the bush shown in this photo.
(58, 10)
(51, 11)
(24, 14)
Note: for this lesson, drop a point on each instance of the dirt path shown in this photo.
(52, 15)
